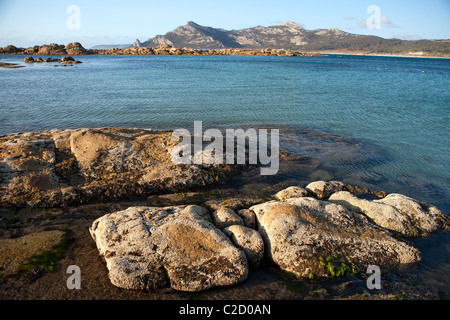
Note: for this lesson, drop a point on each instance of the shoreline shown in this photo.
(76, 48)
(82, 158)
(359, 53)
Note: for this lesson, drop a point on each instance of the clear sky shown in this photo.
(25, 23)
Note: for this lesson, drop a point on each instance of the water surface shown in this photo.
(401, 106)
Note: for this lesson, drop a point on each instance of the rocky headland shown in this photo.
(188, 241)
(76, 48)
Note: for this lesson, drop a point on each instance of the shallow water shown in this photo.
(394, 116)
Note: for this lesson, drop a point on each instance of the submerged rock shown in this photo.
(148, 247)
(314, 238)
(29, 60)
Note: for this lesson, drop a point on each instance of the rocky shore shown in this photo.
(183, 238)
(191, 248)
(76, 48)
(60, 168)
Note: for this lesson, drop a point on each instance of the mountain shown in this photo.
(291, 36)
(195, 36)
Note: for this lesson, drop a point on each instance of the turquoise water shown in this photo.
(386, 103)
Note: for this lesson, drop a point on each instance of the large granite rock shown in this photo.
(395, 212)
(60, 168)
(149, 247)
(75, 48)
(249, 241)
(314, 238)
(52, 49)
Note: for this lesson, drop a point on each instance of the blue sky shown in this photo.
(25, 23)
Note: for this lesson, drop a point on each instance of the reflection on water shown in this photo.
(309, 154)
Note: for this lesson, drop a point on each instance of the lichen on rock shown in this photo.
(297, 232)
(149, 247)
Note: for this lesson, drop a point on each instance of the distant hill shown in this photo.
(291, 36)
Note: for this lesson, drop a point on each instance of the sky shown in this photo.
(24, 23)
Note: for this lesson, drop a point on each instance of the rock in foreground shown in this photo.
(150, 247)
(147, 247)
(314, 238)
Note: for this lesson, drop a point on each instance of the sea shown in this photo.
(371, 121)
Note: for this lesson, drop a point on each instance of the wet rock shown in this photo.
(48, 59)
(291, 192)
(314, 238)
(322, 190)
(146, 247)
(29, 60)
(10, 65)
(225, 217)
(68, 60)
(249, 241)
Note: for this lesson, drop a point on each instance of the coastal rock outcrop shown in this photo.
(314, 238)
(52, 49)
(148, 247)
(61, 168)
(10, 50)
(67, 60)
(395, 212)
(75, 48)
(194, 249)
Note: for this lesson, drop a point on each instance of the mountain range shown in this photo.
(291, 36)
